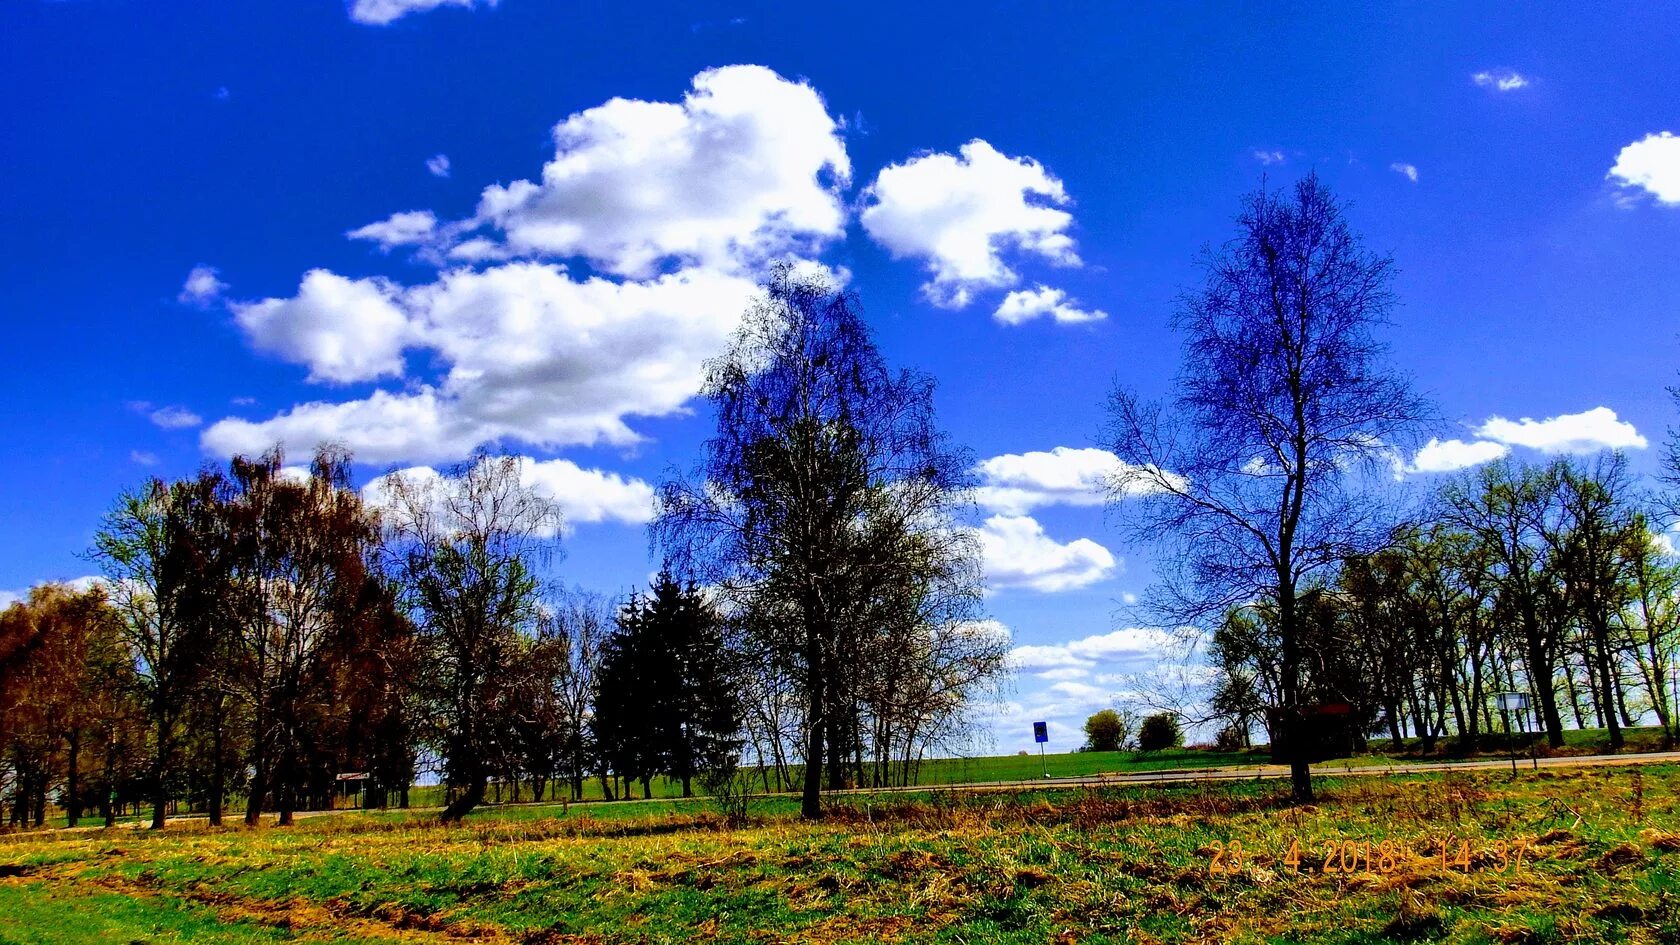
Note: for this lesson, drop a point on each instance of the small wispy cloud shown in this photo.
(438, 164)
(1408, 171)
(201, 288)
(1500, 80)
(175, 418)
(1269, 158)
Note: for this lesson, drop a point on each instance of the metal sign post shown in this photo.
(1041, 734)
(1509, 701)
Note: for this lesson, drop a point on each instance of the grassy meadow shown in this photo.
(1600, 851)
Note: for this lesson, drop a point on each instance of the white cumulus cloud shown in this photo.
(1025, 305)
(585, 496)
(958, 213)
(1138, 647)
(409, 228)
(343, 329)
(1651, 164)
(533, 355)
(676, 206)
(747, 167)
(1017, 483)
(1017, 553)
(1439, 456)
(384, 12)
(1585, 432)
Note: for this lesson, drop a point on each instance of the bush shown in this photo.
(731, 789)
(1106, 730)
(1160, 731)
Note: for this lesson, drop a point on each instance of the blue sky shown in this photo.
(1017, 190)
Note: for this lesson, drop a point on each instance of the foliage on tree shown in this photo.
(666, 702)
(1107, 730)
(1158, 732)
(467, 545)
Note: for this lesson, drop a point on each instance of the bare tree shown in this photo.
(468, 544)
(1257, 473)
(826, 488)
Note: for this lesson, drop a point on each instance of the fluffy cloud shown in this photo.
(1587, 432)
(1135, 647)
(343, 329)
(676, 206)
(749, 166)
(1017, 553)
(585, 496)
(409, 228)
(1027, 304)
(1017, 483)
(1408, 171)
(958, 213)
(438, 165)
(533, 355)
(1501, 80)
(383, 12)
(175, 418)
(1439, 456)
(202, 287)
(1651, 164)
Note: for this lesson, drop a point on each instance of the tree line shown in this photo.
(1267, 480)
(1545, 580)
(261, 633)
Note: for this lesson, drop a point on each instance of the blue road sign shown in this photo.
(1041, 732)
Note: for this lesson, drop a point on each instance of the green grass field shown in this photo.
(1600, 862)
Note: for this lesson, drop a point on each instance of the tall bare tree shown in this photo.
(1255, 474)
(826, 484)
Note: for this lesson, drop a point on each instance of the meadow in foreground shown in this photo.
(1600, 862)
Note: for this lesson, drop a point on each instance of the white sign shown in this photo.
(1512, 701)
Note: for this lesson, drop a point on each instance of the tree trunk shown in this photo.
(73, 781)
(259, 787)
(810, 801)
(218, 769)
(160, 784)
(1540, 674)
(469, 799)
(1601, 643)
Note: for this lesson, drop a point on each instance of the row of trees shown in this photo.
(1267, 481)
(1545, 580)
(262, 632)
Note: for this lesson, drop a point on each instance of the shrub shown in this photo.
(1160, 731)
(1107, 730)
